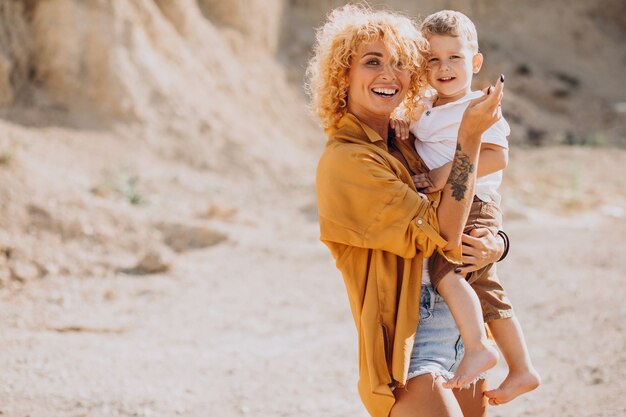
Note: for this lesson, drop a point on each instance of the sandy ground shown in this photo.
(260, 326)
(114, 142)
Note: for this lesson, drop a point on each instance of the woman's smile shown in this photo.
(385, 92)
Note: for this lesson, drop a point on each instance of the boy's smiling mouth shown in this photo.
(446, 79)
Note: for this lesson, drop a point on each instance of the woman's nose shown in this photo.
(389, 72)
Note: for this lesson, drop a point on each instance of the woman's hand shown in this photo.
(480, 248)
(484, 111)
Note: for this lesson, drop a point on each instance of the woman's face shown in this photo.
(376, 86)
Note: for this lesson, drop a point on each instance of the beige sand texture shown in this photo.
(159, 250)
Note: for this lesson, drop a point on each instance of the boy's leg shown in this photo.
(465, 307)
(498, 313)
(507, 332)
(522, 375)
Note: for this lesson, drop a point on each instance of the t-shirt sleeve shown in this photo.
(363, 203)
(497, 134)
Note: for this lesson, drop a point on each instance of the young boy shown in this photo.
(452, 61)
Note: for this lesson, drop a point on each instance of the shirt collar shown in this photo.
(350, 128)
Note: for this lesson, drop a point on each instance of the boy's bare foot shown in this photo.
(474, 363)
(515, 384)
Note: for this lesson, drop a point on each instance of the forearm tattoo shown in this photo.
(459, 175)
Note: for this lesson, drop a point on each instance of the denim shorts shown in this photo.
(438, 348)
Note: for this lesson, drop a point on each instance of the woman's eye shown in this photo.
(372, 62)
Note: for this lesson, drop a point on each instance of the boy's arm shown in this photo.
(492, 158)
(400, 127)
(434, 180)
(401, 123)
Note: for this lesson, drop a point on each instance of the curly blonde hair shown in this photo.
(338, 40)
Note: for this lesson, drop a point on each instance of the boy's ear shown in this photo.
(477, 62)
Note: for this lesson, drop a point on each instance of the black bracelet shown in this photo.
(505, 238)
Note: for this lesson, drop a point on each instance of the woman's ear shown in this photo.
(477, 62)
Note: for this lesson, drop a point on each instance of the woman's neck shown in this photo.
(380, 124)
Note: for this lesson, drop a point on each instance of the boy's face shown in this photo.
(451, 65)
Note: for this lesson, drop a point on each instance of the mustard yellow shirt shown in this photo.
(378, 229)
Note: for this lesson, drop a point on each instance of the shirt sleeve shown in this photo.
(497, 134)
(363, 203)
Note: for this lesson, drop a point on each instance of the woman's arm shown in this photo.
(458, 192)
(480, 248)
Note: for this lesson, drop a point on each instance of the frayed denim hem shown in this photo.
(446, 376)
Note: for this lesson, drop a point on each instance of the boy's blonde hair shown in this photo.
(451, 23)
(345, 30)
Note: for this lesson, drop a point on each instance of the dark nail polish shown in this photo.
(489, 91)
(502, 77)
(458, 270)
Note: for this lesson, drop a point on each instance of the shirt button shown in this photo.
(420, 221)
(428, 113)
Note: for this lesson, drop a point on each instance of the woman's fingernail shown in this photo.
(458, 270)
(502, 77)
(489, 91)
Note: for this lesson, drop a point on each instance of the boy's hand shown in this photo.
(435, 180)
(439, 177)
(401, 127)
(422, 183)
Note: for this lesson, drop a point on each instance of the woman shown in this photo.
(375, 223)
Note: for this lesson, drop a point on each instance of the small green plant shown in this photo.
(596, 139)
(6, 157)
(128, 188)
(574, 193)
(125, 186)
(7, 153)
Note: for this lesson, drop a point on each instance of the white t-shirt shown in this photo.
(437, 131)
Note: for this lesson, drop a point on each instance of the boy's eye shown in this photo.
(455, 57)
(432, 60)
